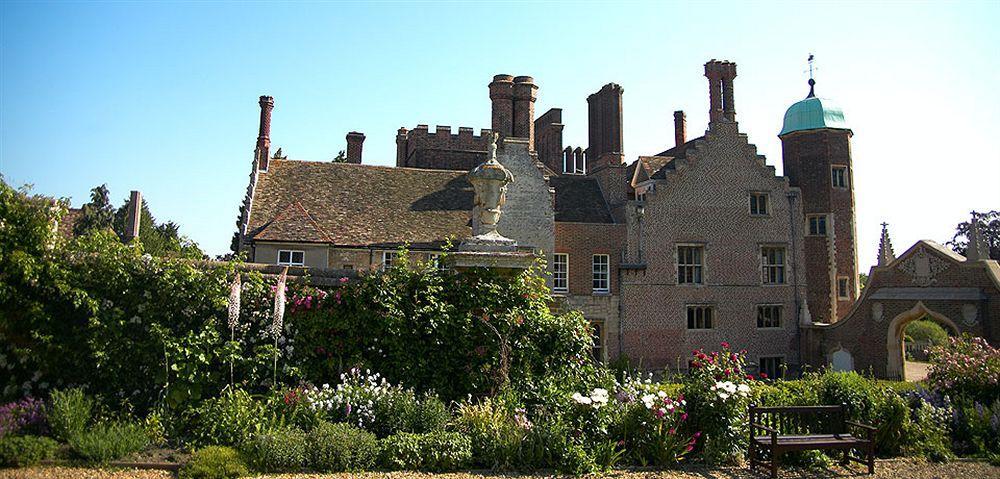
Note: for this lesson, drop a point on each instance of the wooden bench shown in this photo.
(777, 430)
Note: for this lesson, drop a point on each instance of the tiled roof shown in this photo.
(352, 204)
(579, 200)
(294, 223)
(646, 166)
(679, 151)
(349, 204)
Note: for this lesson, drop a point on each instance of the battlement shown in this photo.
(441, 149)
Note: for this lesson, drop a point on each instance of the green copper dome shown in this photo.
(813, 113)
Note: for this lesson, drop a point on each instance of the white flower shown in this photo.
(647, 400)
(581, 399)
(661, 394)
(723, 396)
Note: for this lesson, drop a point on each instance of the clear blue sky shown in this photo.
(162, 97)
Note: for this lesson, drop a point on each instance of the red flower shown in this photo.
(750, 377)
(763, 375)
(725, 345)
(728, 372)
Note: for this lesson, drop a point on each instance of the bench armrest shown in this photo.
(762, 427)
(862, 426)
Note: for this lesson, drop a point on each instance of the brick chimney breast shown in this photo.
(501, 95)
(525, 92)
(264, 134)
(355, 141)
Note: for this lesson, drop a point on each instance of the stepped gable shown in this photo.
(579, 200)
(645, 167)
(678, 152)
(358, 205)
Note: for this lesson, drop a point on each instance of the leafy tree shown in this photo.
(340, 158)
(925, 329)
(863, 280)
(989, 229)
(98, 214)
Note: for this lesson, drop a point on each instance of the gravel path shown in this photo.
(894, 469)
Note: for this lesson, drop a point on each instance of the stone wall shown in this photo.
(441, 150)
(528, 215)
(927, 280)
(316, 255)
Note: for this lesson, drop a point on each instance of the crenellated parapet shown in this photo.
(441, 149)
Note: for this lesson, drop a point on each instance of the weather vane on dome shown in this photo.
(812, 82)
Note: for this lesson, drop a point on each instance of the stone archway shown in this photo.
(894, 337)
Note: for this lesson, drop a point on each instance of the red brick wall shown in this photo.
(808, 159)
(583, 240)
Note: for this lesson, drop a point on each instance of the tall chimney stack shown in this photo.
(720, 76)
(604, 125)
(264, 136)
(133, 216)
(525, 92)
(680, 128)
(354, 143)
(501, 95)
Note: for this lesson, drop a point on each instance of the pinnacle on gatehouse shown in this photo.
(976, 251)
(885, 253)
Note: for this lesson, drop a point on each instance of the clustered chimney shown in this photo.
(264, 136)
(720, 90)
(680, 128)
(133, 216)
(513, 101)
(605, 121)
(355, 140)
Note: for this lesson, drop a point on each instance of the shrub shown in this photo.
(440, 331)
(280, 449)
(109, 441)
(214, 462)
(576, 460)
(22, 451)
(496, 435)
(341, 447)
(26, 415)
(437, 451)
(367, 400)
(718, 395)
(69, 412)
(228, 420)
(966, 368)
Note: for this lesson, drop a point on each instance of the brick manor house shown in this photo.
(681, 249)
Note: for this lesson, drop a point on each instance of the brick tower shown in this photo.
(816, 154)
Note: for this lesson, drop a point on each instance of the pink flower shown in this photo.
(689, 448)
(684, 417)
(725, 345)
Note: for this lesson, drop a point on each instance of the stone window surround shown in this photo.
(607, 273)
(709, 307)
(598, 347)
(704, 269)
(826, 224)
(388, 258)
(783, 265)
(565, 272)
(291, 257)
(833, 175)
(847, 287)
(781, 316)
(767, 203)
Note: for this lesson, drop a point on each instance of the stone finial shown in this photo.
(805, 318)
(977, 250)
(490, 180)
(885, 252)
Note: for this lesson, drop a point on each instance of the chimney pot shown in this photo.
(354, 143)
